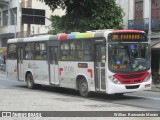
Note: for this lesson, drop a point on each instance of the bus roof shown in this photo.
(30, 39)
(76, 35)
(124, 31)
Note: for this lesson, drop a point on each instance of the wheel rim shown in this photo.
(84, 87)
(29, 80)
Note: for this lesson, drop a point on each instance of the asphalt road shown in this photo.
(145, 99)
(15, 96)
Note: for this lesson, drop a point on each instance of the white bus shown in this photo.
(110, 61)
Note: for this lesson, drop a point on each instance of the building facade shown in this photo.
(11, 24)
(137, 15)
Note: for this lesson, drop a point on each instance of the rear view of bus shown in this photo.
(128, 62)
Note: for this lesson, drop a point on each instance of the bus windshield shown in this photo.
(129, 57)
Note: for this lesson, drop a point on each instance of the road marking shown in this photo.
(144, 97)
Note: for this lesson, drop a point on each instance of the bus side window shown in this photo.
(12, 52)
(41, 51)
(87, 55)
(29, 50)
(63, 55)
(38, 55)
(44, 55)
(29, 55)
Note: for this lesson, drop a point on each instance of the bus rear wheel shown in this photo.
(30, 82)
(83, 87)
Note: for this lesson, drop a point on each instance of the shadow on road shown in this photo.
(71, 92)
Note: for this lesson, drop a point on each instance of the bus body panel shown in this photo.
(39, 71)
(41, 74)
(21, 72)
(121, 88)
(68, 72)
(28, 66)
(12, 69)
(112, 88)
(54, 74)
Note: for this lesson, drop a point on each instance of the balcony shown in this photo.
(155, 23)
(139, 24)
(143, 24)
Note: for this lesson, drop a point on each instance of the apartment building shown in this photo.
(138, 16)
(14, 24)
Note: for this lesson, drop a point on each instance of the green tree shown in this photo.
(83, 15)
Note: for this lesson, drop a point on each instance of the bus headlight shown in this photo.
(147, 78)
(114, 80)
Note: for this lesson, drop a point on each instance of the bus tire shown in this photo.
(30, 81)
(83, 87)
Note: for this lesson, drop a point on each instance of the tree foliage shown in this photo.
(82, 15)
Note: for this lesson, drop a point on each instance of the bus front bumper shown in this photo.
(127, 88)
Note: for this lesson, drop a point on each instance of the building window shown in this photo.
(5, 18)
(138, 9)
(155, 8)
(22, 4)
(13, 13)
(29, 3)
(4, 42)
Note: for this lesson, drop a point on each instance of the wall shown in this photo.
(124, 5)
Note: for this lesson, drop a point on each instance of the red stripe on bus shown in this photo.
(63, 37)
(132, 78)
(123, 31)
(60, 71)
(91, 72)
(15, 69)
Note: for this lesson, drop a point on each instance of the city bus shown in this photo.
(109, 61)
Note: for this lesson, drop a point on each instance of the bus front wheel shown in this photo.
(83, 87)
(30, 82)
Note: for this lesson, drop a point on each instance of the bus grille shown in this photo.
(131, 78)
(132, 87)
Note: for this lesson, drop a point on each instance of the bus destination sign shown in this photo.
(128, 37)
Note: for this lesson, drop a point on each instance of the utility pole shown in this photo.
(149, 29)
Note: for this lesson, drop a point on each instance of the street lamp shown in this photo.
(15, 23)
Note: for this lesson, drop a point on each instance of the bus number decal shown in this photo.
(68, 69)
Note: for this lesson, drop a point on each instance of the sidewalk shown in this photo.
(154, 88)
(3, 74)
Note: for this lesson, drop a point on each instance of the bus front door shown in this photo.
(20, 63)
(53, 65)
(99, 59)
